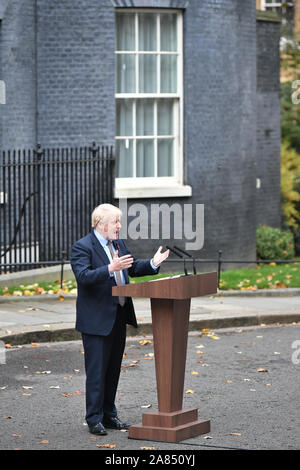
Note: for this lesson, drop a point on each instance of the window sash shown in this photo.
(148, 48)
(128, 146)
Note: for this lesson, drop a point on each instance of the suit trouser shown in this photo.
(103, 357)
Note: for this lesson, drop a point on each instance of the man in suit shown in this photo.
(101, 260)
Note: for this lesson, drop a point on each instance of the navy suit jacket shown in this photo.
(96, 308)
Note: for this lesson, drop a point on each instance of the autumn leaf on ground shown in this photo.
(107, 446)
(205, 331)
(261, 369)
(147, 448)
(189, 391)
(44, 442)
(144, 342)
(213, 336)
(235, 434)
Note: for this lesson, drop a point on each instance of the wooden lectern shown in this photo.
(170, 307)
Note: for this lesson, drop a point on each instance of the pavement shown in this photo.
(44, 370)
(47, 318)
(244, 380)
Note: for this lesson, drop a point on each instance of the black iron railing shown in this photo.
(46, 198)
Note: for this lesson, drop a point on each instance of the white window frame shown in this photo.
(145, 187)
(266, 5)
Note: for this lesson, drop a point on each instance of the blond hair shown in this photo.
(103, 213)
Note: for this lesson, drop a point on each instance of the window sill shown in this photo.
(152, 192)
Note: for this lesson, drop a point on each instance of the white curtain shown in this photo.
(124, 150)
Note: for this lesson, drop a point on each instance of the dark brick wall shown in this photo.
(17, 51)
(67, 62)
(268, 123)
(75, 72)
(220, 90)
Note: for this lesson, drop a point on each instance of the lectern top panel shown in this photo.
(182, 287)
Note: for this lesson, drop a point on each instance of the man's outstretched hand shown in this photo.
(159, 257)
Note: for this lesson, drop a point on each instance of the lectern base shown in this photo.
(170, 427)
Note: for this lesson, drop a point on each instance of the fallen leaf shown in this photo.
(44, 442)
(189, 391)
(26, 394)
(61, 297)
(213, 336)
(8, 346)
(17, 435)
(146, 406)
(195, 373)
(107, 446)
(205, 330)
(34, 345)
(147, 448)
(144, 342)
(235, 434)
(261, 369)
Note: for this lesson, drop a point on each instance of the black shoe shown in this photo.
(98, 429)
(115, 423)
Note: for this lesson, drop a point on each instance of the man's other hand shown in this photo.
(159, 257)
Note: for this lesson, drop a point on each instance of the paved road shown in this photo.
(42, 392)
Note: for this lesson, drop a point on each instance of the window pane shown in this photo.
(147, 32)
(125, 73)
(145, 158)
(144, 117)
(168, 32)
(165, 117)
(165, 157)
(124, 154)
(125, 27)
(124, 117)
(147, 73)
(168, 71)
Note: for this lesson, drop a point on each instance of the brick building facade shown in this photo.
(58, 60)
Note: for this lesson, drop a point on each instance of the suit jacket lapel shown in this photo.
(118, 246)
(101, 252)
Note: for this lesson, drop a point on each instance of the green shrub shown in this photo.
(273, 243)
